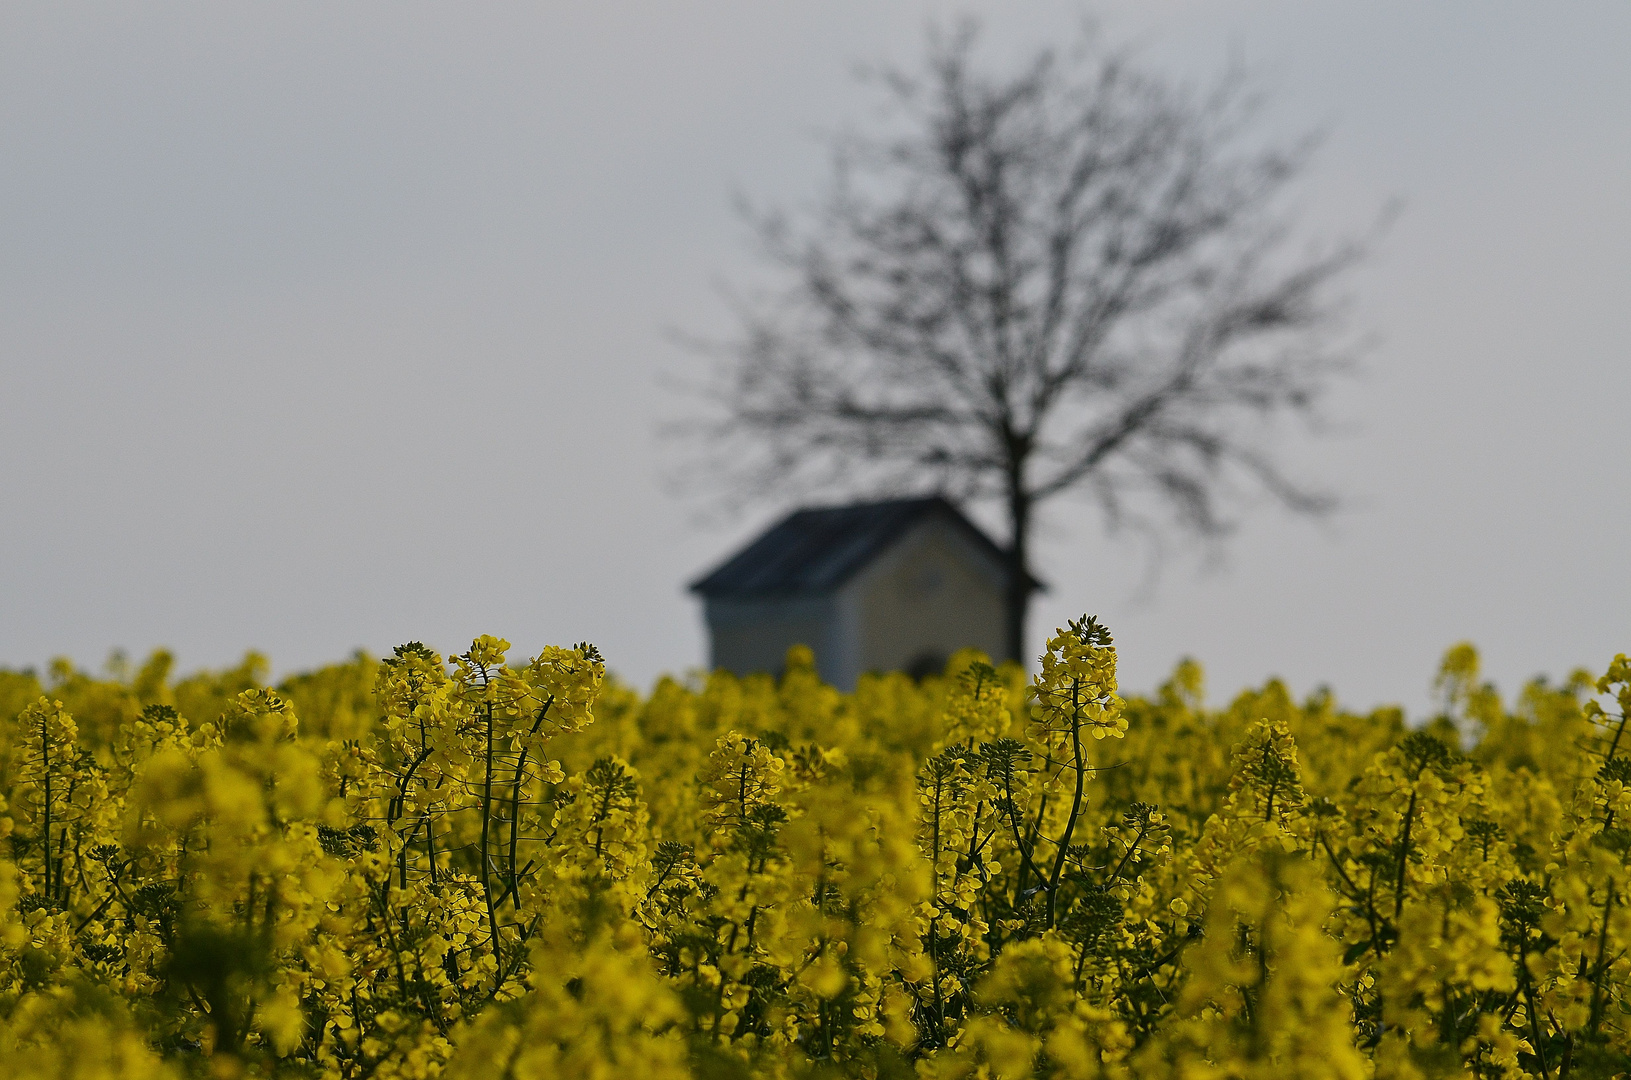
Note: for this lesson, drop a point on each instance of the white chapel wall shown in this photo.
(929, 594)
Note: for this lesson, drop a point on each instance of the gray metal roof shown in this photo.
(813, 551)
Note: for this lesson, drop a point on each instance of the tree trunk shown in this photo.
(1017, 601)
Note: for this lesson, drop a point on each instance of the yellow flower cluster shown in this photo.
(479, 867)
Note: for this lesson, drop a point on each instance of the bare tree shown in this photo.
(1073, 278)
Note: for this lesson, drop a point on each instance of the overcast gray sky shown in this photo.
(325, 326)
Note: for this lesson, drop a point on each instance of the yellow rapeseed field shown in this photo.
(488, 867)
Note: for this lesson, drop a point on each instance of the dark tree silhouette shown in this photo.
(1071, 278)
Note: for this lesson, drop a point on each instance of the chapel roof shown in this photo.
(815, 550)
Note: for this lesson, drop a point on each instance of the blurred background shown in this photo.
(333, 327)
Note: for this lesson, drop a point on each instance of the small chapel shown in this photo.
(898, 585)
